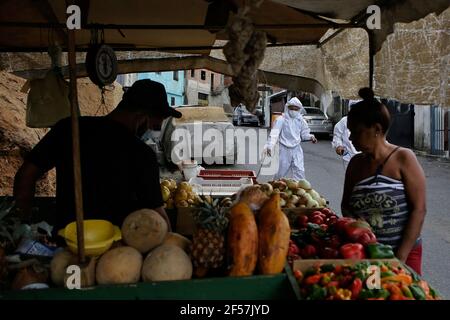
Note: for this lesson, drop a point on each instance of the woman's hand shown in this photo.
(313, 139)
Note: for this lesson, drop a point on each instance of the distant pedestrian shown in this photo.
(341, 140)
(290, 129)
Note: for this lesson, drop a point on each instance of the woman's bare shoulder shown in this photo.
(406, 155)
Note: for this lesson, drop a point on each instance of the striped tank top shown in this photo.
(382, 202)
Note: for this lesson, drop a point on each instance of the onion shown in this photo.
(304, 184)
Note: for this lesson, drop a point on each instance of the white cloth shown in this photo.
(289, 132)
(291, 163)
(341, 137)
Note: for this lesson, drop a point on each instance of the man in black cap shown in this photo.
(120, 173)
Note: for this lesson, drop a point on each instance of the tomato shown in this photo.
(317, 220)
(302, 221)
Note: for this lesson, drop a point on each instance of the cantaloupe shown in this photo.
(166, 262)
(119, 266)
(178, 240)
(61, 260)
(144, 230)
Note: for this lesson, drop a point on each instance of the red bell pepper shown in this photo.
(308, 251)
(302, 221)
(352, 251)
(317, 220)
(356, 288)
(342, 222)
(356, 229)
(367, 238)
(314, 279)
(328, 253)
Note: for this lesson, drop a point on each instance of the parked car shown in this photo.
(241, 116)
(317, 121)
(183, 138)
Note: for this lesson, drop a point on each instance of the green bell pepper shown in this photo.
(417, 292)
(374, 293)
(387, 274)
(327, 267)
(380, 251)
(317, 293)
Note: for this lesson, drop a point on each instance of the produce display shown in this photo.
(350, 282)
(178, 196)
(120, 265)
(294, 194)
(208, 241)
(144, 230)
(247, 234)
(182, 195)
(167, 262)
(274, 233)
(322, 234)
(242, 240)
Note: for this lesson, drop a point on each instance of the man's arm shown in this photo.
(305, 132)
(274, 135)
(24, 188)
(338, 131)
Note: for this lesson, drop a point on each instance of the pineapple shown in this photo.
(208, 243)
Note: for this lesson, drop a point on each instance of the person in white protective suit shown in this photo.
(341, 139)
(290, 129)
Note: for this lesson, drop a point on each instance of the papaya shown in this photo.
(274, 233)
(242, 240)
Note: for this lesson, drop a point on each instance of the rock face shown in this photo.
(413, 65)
(16, 139)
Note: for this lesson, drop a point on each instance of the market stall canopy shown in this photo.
(187, 26)
(194, 25)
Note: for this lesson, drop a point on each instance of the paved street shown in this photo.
(325, 171)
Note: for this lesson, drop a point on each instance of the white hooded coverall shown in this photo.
(290, 130)
(341, 138)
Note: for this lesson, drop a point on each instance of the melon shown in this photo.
(166, 262)
(144, 230)
(120, 265)
(178, 240)
(61, 260)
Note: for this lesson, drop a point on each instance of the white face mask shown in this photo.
(293, 113)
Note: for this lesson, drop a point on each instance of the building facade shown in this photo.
(173, 82)
(204, 87)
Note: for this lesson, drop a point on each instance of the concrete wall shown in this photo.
(174, 88)
(422, 134)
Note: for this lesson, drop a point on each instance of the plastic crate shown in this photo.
(219, 187)
(209, 174)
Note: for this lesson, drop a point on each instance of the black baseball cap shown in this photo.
(149, 96)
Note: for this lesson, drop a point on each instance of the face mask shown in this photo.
(150, 134)
(293, 113)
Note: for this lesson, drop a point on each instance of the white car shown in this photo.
(317, 121)
(241, 116)
(204, 134)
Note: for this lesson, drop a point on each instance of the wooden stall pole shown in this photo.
(372, 52)
(76, 146)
